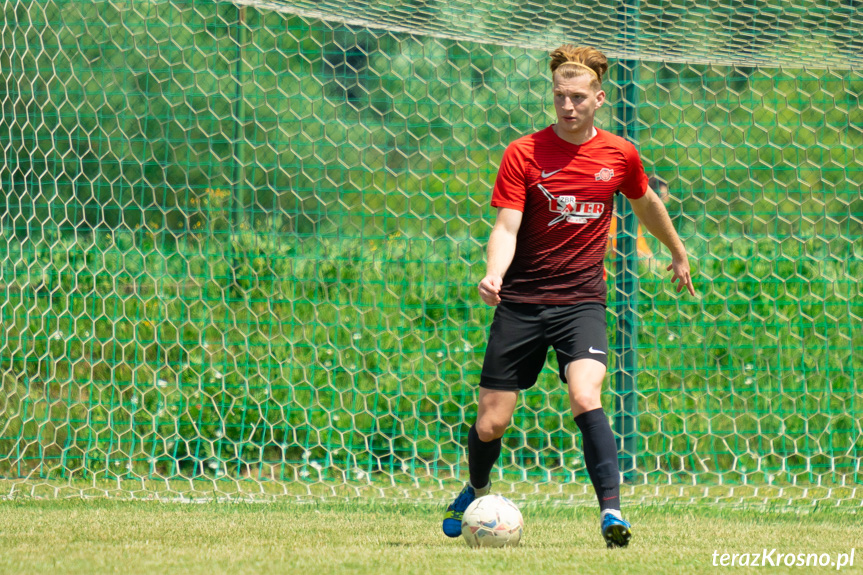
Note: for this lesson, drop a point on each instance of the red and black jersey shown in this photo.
(566, 193)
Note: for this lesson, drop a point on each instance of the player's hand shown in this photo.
(680, 267)
(489, 288)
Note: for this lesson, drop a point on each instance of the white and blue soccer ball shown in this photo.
(492, 521)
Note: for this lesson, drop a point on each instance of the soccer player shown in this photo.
(554, 196)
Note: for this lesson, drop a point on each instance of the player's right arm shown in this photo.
(501, 249)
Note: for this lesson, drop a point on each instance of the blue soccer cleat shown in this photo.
(616, 531)
(455, 512)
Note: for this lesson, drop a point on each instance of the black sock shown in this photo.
(481, 457)
(600, 457)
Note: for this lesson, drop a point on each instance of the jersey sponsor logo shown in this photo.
(569, 209)
(604, 174)
(549, 174)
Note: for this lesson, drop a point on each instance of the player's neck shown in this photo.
(576, 138)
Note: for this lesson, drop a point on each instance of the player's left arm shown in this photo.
(652, 214)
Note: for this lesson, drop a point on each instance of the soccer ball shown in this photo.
(492, 521)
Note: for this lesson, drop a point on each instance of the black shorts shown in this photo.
(521, 333)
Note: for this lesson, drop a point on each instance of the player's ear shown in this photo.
(600, 98)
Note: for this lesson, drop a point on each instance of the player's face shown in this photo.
(663, 194)
(575, 102)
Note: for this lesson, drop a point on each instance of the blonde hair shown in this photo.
(571, 61)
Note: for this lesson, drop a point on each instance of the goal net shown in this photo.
(239, 245)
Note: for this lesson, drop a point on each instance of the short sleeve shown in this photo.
(509, 187)
(634, 185)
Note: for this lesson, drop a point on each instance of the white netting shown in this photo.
(239, 247)
(727, 32)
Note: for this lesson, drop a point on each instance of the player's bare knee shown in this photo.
(489, 430)
(582, 403)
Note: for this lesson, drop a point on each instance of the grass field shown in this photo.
(103, 536)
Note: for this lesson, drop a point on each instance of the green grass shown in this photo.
(366, 357)
(103, 536)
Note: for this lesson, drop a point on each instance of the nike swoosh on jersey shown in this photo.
(591, 350)
(549, 174)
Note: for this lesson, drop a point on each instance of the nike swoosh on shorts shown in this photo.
(591, 350)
